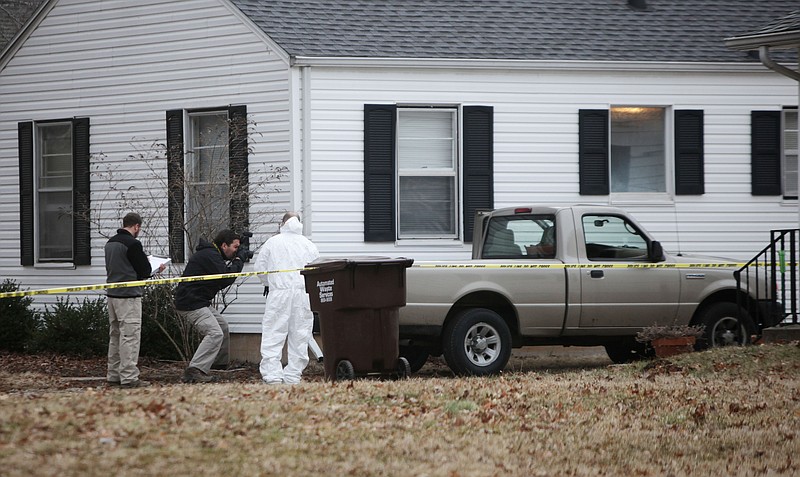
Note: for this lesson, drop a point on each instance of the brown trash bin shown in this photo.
(357, 301)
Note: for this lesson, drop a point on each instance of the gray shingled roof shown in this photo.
(13, 16)
(790, 22)
(783, 32)
(591, 30)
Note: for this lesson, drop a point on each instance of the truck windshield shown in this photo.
(520, 236)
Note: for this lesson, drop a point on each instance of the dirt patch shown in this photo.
(48, 371)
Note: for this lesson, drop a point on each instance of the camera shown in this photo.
(244, 253)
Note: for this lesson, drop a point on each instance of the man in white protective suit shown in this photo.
(287, 316)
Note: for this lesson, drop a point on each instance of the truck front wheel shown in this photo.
(477, 342)
(724, 326)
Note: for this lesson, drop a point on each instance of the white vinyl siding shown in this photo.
(125, 66)
(536, 148)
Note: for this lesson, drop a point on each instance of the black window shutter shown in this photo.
(238, 168)
(379, 172)
(765, 151)
(175, 184)
(689, 171)
(478, 145)
(593, 151)
(81, 192)
(25, 144)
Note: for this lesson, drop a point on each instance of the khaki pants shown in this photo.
(215, 347)
(124, 338)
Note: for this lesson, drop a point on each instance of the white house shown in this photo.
(386, 124)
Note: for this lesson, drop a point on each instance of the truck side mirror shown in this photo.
(655, 252)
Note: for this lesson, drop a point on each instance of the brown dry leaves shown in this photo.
(726, 412)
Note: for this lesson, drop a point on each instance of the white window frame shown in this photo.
(669, 159)
(192, 167)
(455, 173)
(785, 151)
(38, 189)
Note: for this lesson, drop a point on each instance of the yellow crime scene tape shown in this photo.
(580, 265)
(140, 283)
(159, 281)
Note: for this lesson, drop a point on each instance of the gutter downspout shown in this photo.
(305, 74)
(766, 60)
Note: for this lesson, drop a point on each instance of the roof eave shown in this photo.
(11, 48)
(387, 62)
(788, 39)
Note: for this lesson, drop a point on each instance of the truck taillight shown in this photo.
(523, 210)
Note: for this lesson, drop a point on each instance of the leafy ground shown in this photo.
(732, 411)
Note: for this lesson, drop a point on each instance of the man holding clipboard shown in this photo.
(126, 261)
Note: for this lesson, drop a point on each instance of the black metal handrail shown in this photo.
(771, 279)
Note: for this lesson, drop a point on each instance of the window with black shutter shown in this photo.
(414, 178)
(208, 175)
(54, 191)
(623, 150)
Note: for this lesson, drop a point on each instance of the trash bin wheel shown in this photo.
(403, 368)
(416, 356)
(345, 370)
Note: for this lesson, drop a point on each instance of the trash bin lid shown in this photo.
(332, 264)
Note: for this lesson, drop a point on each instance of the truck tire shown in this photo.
(477, 342)
(724, 327)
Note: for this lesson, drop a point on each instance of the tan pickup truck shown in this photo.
(578, 275)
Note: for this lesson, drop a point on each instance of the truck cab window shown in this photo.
(608, 237)
(520, 236)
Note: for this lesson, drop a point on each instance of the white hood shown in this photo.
(288, 250)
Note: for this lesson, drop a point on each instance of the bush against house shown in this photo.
(18, 321)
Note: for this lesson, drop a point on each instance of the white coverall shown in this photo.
(287, 316)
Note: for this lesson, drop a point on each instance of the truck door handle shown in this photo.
(596, 273)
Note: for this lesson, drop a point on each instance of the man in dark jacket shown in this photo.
(193, 303)
(125, 262)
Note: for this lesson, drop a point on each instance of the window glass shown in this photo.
(207, 176)
(426, 206)
(520, 236)
(427, 173)
(790, 153)
(608, 237)
(426, 139)
(638, 149)
(54, 192)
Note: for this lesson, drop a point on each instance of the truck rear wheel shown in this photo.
(477, 342)
(724, 327)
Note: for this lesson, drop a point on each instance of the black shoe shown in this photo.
(135, 384)
(195, 375)
(113, 383)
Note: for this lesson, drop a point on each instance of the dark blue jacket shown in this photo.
(207, 260)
